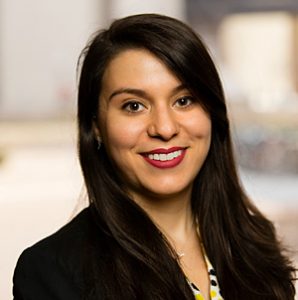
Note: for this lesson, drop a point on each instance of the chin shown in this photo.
(167, 191)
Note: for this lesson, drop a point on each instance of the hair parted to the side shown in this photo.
(240, 242)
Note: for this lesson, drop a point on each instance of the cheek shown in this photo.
(199, 126)
(122, 134)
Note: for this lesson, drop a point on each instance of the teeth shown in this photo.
(170, 156)
(165, 157)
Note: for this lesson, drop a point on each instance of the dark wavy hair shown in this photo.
(239, 241)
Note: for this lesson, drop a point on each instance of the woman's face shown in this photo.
(151, 126)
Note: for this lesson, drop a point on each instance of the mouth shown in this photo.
(165, 158)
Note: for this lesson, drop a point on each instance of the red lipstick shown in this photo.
(164, 151)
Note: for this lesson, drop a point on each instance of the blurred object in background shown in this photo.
(269, 150)
(261, 50)
(40, 42)
(120, 8)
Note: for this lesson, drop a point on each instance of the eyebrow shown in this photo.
(142, 93)
(136, 92)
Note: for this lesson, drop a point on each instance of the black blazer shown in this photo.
(80, 261)
(52, 268)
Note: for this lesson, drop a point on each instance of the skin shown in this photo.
(144, 106)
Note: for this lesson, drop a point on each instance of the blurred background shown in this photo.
(255, 46)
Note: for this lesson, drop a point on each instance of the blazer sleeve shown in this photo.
(40, 275)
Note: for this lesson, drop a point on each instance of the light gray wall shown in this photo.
(39, 44)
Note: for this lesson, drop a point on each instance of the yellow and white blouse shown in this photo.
(214, 287)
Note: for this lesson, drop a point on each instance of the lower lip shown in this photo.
(167, 163)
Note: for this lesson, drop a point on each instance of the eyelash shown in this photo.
(190, 100)
(128, 106)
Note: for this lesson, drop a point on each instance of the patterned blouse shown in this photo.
(214, 287)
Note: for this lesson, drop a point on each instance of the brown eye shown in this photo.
(133, 106)
(184, 101)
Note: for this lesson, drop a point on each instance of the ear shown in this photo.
(96, 130)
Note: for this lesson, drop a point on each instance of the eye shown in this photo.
(184, 101)
(133, 107)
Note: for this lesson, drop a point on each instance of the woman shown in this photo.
(168, 218)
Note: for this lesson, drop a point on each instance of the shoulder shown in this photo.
(66, 240)
(51, 269)
(73, 232)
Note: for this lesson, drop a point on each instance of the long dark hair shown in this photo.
(240, 242)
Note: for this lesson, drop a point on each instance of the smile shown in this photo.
(165, 158)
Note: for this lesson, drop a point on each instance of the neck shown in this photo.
(172, 215)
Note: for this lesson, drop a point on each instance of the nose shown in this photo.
(163, 124)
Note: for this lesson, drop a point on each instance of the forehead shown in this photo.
(137, 66)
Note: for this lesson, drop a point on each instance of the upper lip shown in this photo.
(164, 151)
